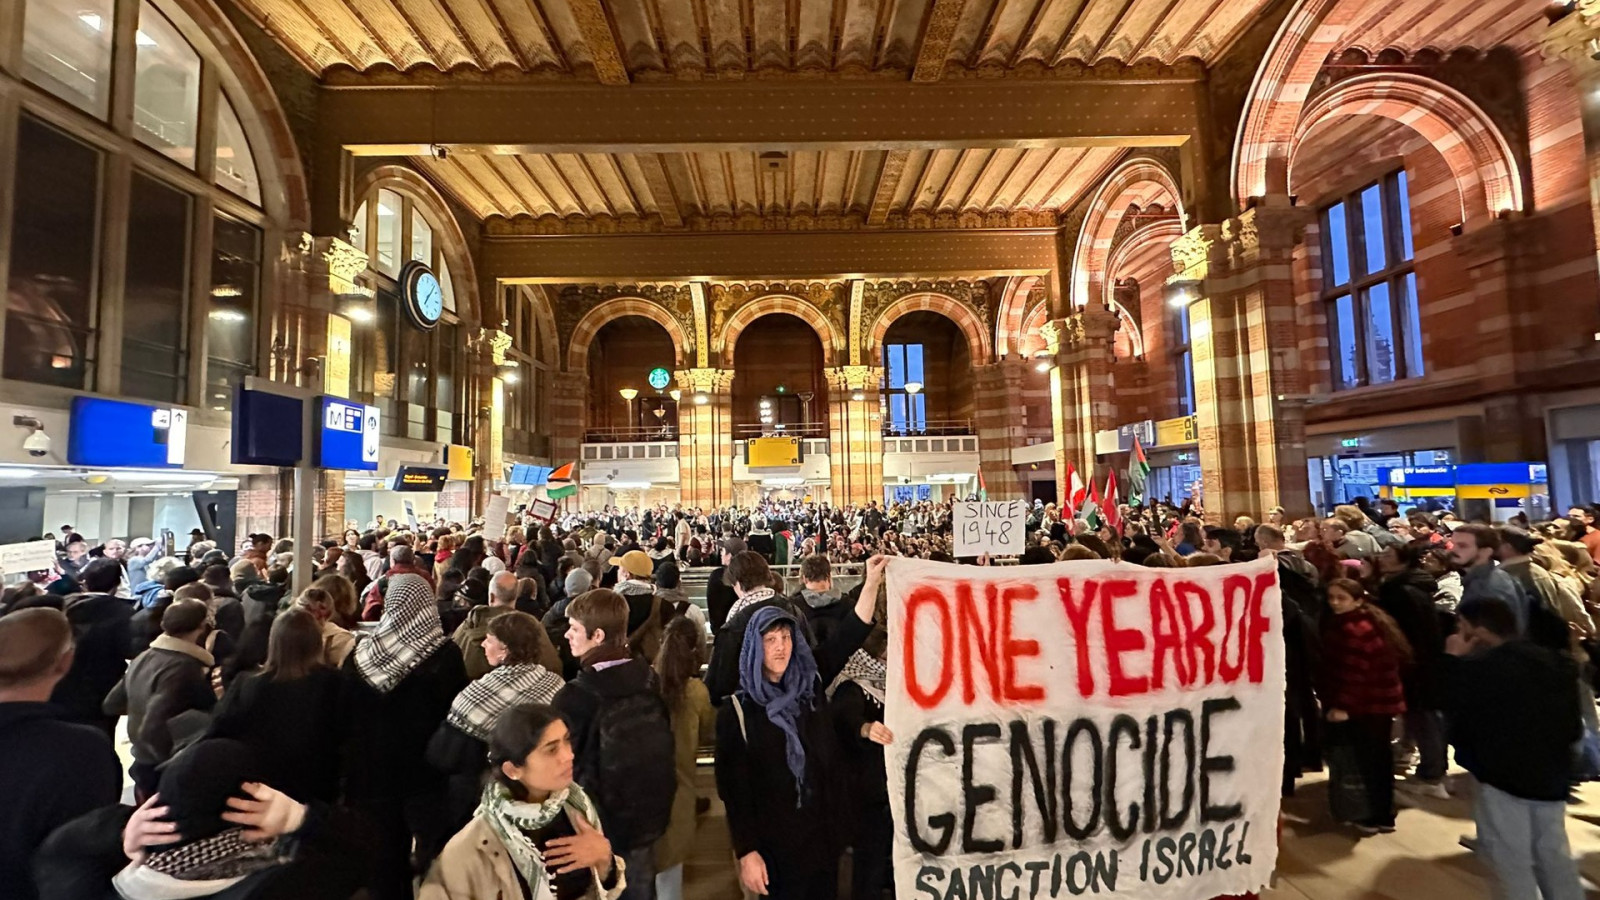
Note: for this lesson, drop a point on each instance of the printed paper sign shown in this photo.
(1084, 729)
(494, 515)
(28, 556)
(995, 527)
(542, 511)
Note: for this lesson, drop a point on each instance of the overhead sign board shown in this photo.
(118, 433)
(774, 452)
(349, 435)
(1182, 430)
(267, 428)
(419, 479)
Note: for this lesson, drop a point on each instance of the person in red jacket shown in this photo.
(1362, 652)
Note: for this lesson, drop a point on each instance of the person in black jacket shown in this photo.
(55, 769)
(621, 735)
(823, 608)
(398, 686)
(857, 698)
(784, 807)
(288, 712)
(1406, 594)
(1513, 712)
(720, 595)
(752, 580)
(102, 632)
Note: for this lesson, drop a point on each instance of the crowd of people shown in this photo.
(452, 714)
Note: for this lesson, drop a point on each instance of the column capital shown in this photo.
(1273, 225)
(853, 378)
(704, 380)
(1572, 38)
(336, 259)
(1090, 326)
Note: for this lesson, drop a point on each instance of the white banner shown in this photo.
(1086, 728)
(28, 556)
(995, 527)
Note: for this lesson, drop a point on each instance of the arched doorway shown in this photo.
(927, 376)
(623, 404)
(778, 390)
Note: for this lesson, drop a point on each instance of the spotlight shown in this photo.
(701, 398)
(1042, 365)
(859, 396)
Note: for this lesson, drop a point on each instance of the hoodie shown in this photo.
(55, 771)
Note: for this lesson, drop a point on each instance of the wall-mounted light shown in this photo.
(675, 394)
(859, 396)
(1182, 293)
(701, 398)
(1043, 365)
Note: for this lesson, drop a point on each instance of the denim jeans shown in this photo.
(669, 884)
(1425, 727)
(641, 873)
(1525, 844)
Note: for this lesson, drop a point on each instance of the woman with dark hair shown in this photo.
(677, 665)
(536, 834)
(288, 711)
(355, 572)
(779, 768)
(457, 747)
(1406, 594)
(1363, 651)
(470, 554)
(857, 697)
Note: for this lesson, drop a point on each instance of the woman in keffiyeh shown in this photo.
(779, 767)
(535, 835)
(459, 745)
(857, 700)
(399, 685)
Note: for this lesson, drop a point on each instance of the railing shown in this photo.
(930, 428)
(790, 429)
(630, 435)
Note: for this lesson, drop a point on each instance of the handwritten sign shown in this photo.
(995, 527)
(542, 511)
(1084, 728)
(28, 556)
(494, 514)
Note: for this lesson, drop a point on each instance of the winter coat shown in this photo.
(1407, 597)
(102, 629)
(55, 771)
(475, 866)
(469, 637)
(387, 734)
(1513, 713)
(172, 677)
(644, 618)
(295, 727)
(694, 722)
(720, 598)
(1360, 670)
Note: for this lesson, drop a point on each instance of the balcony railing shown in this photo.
(929, 428)
(791, 429)
(625, 435)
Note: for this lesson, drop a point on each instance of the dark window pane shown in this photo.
(1403, 196)
(1338, 261)
(1372, 229)
(230, 322)
(1346, 361)
(1186, 383)
(153, 357)
(50, 293)
(1411, 325)
(1382, 366)
(920, 410)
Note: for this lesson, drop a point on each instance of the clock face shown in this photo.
(423, 295)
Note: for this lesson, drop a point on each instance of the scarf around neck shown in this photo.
(790, 698)
(749, 600)
(867, 671)
(480, 704)
(514, 821)
(407, 634)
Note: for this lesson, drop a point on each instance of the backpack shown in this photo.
(638, 767)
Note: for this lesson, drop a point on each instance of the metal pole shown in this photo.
(303, 524)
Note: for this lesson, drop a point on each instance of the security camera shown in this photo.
(37, 444)
(441, 152)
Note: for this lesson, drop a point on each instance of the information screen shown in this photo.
(117, 433)
(349, 438)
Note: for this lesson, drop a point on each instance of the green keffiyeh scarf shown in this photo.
(513, 821)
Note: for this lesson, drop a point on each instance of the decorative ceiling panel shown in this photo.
(1377, 26)
(971, 187)
(618, 41)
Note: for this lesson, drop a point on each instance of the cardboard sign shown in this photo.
(995, 527)
(494, 515)
(542, 511)
(1085, 728)
(28, 556)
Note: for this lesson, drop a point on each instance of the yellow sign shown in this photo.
(769, 452)
(1182, 430)
(336, 368)
(1493, 491)
(459, 459)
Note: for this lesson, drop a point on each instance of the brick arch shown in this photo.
(1164, 231)
(285, 194)
(788, 304)
(549, 350)
(1486, 173)
(977, 333)
(1008, 331)
(1032, 341)
(612, 310)
(410, 183)
(1140, 181)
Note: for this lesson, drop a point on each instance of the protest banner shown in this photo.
(1084, 729)
(995, 527)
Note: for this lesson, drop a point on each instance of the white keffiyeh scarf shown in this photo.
(749, 600)
(480, 704)
(513, 821)
(407, 634)
(867, 671)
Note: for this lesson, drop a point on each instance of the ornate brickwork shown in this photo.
(584, 309)
(966, 304)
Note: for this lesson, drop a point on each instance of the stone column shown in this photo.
(1573, 38)
(1082, 393)
(486, 402)
(705, 437)
(997, 399)
(569, 413)
(855, 434)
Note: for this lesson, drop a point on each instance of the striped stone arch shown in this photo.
(725, 342)
(1486, 173)
(410, 183)
(1013, 304)
(1163, 232)
(549, 349)
(1140, 181)
(612, 310)
(1032, 336)
(966, 319)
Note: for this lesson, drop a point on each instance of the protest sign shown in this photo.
(542, 511)
(28, 556)
(1086, 728)
(494, 514)
(995, 527)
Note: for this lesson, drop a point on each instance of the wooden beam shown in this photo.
(936, 35)
(894, 166)
(595, 26)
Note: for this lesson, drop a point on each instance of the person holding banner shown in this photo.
(778, 756)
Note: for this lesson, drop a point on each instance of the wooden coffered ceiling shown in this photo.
(833, 189)
(620, 41)
(1378, 25)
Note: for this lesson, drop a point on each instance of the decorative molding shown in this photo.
(595, 26)
(498, 343)
(936, 34)
(854, 378)
(704, 380)
(857, 294)
(851, 220)
(702, 338)
(878, 296)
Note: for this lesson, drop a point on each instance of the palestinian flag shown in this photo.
(1113, 514)
(1074, 496)
(1138, 474)
(1090, 510)
(564, 473)
(556, 493)
(983, 487)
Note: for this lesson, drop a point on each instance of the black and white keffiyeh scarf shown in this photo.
(480, 704)
(749, 600)
(867, 671)
(407, 634)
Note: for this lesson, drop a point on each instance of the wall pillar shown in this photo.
(705, 437)
(569, 414)
(855, 434)
(997, 400)
(1082, 393)
(1570, 39)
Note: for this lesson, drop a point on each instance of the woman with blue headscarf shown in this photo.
(778, 758)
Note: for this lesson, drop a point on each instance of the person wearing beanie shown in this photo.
(171, 678)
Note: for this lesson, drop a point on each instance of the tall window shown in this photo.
(1183, 359)
(1370, 286)
(231, 320)
(908, 410)
(154, 357)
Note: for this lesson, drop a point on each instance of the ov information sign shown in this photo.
(1084, 729)
(995, 527)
